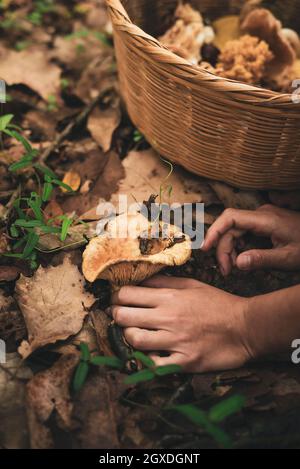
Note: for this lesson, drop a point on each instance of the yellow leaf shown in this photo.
(226, 28)
(72, 179)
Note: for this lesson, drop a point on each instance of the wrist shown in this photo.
(249, 340)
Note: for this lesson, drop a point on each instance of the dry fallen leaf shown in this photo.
(48, 391)
(145, 172)
(32, 68)
(103, 123)
(53, 303)
(97, 411)
(101, 322)
(110, 171)
(234, 198)
(77, 236)
(96, 76)
(72, 179)
(12, 326)
(13, 375)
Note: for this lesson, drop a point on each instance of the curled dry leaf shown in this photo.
(31, 68)
(54, 304)
(72, 179)
(48, 391)
(103, 123)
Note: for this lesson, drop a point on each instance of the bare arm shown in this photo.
(273, 321)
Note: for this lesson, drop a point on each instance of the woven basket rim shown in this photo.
(251, 94)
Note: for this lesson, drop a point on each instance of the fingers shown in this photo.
(260, 222)
(148, 318)
(173, 359)
(142, 339)
(281, 258)
(226, 253)
(162, 281)
(138, 296)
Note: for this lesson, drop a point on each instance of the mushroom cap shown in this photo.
(261, 23)
(116, 254)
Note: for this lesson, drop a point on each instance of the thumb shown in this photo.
(280, 258)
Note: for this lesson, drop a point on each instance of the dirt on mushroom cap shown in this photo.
(116, 255)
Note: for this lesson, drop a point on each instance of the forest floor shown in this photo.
(62, 92)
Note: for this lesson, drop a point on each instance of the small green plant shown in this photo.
(52, 103)
(30, 221)
(64, 83)
(209, 420)
(151, 371)
(40, 8)
(85, 33)
(86, 361)
(137, 136)
(22, 45)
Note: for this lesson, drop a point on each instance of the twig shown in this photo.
(16, 193)
(77, 121)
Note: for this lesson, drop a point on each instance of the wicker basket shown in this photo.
(217, 128)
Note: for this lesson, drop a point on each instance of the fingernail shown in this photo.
(244, 262)
(202, 244)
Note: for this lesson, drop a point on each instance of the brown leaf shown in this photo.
(12, 325)
(46, 392)
(105, 185)
(13, 376)
(53, 210)
(101, 322)
(286, 386)
(77, 53)
(77, 236)
(32, 68)
(53, 303)
(103, 123)
(96, 76)
(97, 412)
(235, 198)
(41, 123)
(9, 273)
(145, 172)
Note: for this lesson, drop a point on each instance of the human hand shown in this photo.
(202, 328)
(280, 225)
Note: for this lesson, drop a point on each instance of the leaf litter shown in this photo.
(68, 105)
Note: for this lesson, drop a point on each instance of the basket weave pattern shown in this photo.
(217, 128)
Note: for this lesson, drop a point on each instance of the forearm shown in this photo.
(273, 321)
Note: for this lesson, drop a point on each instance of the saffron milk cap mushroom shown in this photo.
(132, 249)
